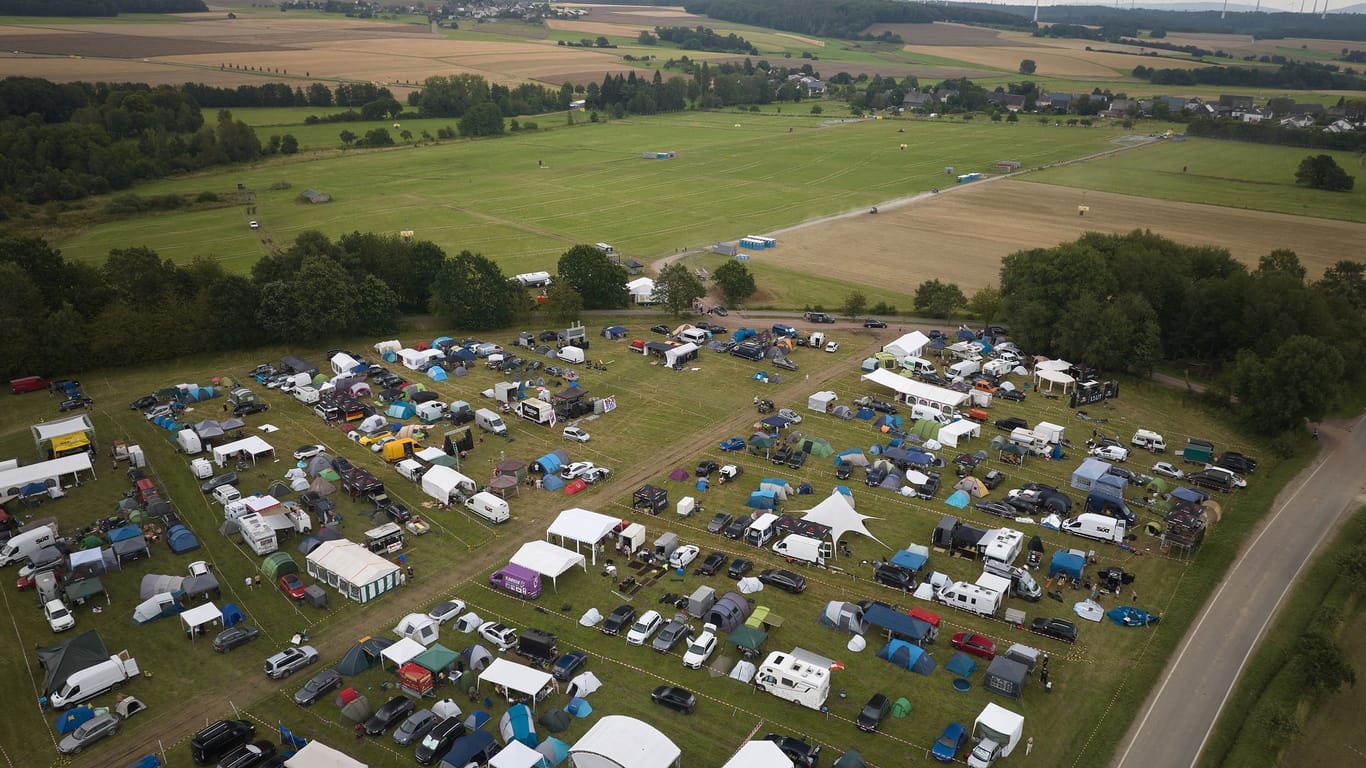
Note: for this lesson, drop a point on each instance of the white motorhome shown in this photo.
(257, 533)
(995, 733)
(1022, 583)
(971, 598)
(489, 507)
(1031, 441)
(308, 395)
(1094, 526)
(28, 542)
(490, 422)
(1149, 440)
(997, 368)
(1004, 545)
(797, 676)
(90, 682)
(805, 549)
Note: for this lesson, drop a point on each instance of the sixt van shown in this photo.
(489, 507)
(490, 422)
(970, 597)
(804, 549)
(92, 681)
(1093, 526)
(520, 581)
(762, 530)
(32, 539)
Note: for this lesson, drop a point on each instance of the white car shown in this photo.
(199, 568)
(1111, 452)
(308, 451)
(254, 225)
(701, 648)
(683, 556)
(1167, 469)
(577, 469)
(644, 628)
(596, 475)
(790, 415)
(501, 636)
(58, 616)
(576, 434)
(379, 444)
(445, 611)
(833, 346)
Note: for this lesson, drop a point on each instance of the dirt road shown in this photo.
(1180, 713)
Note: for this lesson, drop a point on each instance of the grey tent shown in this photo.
(362, 655)
(850, 759)
(278, 489)
(228, 425)
(62, 660)
(554, 720)
(1006, 676)
(318, 463)
(201, 588)
(155, 584)
(358, 710)
(476, 658)
(844, 616)
(322, 486)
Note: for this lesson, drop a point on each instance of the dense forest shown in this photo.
(97, 7)
(1292, 76)
(1280, 344)
(845, 18)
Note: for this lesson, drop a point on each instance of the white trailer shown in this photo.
(798, 676)
(971, 598)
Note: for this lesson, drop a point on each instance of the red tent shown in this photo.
(574, 486)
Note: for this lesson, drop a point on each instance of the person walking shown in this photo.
(1029, 745)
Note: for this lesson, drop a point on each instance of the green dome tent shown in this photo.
(901, 707)
(278, 564)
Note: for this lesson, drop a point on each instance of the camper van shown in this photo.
(804, 549)
(919, 366)
(1004, 545)
(489, 507)
(226, 494)
(520, 581)
(92, 681)
(962, 369)
(762, 530)
(997, 368)
(189, 442)
(971, 598)
(257, 533)
(490, 422)
(995, 734)
(1149, 440)
(1026, 437)
(919, 412)
(796, 676)
(1093, 526)
(22, 545)
(1022, 584)
(308, 395)
(695, 336)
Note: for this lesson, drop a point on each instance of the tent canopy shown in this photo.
(200, 615)
(547, 559)
(62, 660)
(517, 755)
(516, 677)
(617, 741)
(315, 754)
(837, 512)
(45, 473)
(582, 527)
(758, 754)
(252, 445)
(406, 649)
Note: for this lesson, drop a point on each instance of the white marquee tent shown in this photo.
(917, 391)
(315, 754)
(617, 741)
(963, 429)
(352, 569)
(547, 559)
(1045, 380)
(758, 754)
(199, 616)
(582, 526)
(47, 432)
(441, 483)
(49, 473)
(517, 755)
(405, 650)
(253, 446)
(909, 345)
(837, 511)
(517, 677)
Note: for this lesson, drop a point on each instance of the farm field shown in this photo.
(491, 196)
(641, 441)
(913, 241)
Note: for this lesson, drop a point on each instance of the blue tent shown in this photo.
(966, 335)
(436, 343)
(460, 355)
(517, 725)
(71, 719)
(889, 421)
(436, 373)
(961, 665)
(400, 409)
(554, 750)
(911, 561)
(181, 540)
(289, 740)
(742, 334)
(1066, 562)
(701, 484)
(579, 708)
(958, 500)
(124, 532)
(465, 748)
(865, 414)
(147, 761)
(844, 489)
(762, 500)
(389, 357)
(1189, 495)
(552, 482)
(232, 615)
(477, 719)
(1129, 616)
(907, 656)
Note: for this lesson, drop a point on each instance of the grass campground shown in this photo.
(665, 419)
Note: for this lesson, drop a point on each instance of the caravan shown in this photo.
(971, 598)
(799, 677)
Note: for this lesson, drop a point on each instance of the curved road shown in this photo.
(1176, 721)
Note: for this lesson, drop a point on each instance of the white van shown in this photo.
(761, 531)
(490, 422)
(817, 340)
(226, 494)
(970, 597)
(919, 412)
(92, 681)
(1149, 440)
(919, 366)
(1094, 526)
(695, 336)
(573, 355)
(962, 369)
(21, 546)
(489, 507)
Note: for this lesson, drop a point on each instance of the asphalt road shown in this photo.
(1177, 719)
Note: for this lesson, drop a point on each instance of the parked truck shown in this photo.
(536, 411)
(1197, 451)
(995, 734)
(520, 581)
(805, 549)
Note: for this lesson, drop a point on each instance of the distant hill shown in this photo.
(1337, 26)
(97, 7)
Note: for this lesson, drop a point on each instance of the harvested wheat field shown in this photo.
(650, 15)
(939, 33)
(961, 234)
(1054, 61)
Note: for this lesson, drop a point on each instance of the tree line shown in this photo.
(702, 38)
(847, 19)
(1263, 26)
(1279, 343)
(1297, 76)
(97, 7)
(1267, 132)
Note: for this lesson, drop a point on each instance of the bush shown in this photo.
(206, 197)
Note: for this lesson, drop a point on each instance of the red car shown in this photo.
(293, 586)
(976, 645)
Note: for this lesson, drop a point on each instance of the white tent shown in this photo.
(838, 512)
(403, 651)
(617, 741)
(962, 429)
(749, 585)
(372, 424)
(392, 345)
(517, 755)
(430, 454)
(343, 363)
(411, 358)
(916, 391)
(49, 431)
(742, 671)
(199, 616)
(315, 754)
(1052, 365)
(582, 526)
(584, 684)
(1052, 379)
(419, 627)
(352, 569)
(253, 446)
(547, 559)
(909, 345)
(442, 483)
(821, 401)
(516, 677)
(680, 353)
(758, 754)
(642, 290)
(49, 473)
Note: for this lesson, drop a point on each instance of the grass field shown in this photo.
(1228, 173)
(665, 419)
(490, 196)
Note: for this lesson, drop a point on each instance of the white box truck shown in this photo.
(90, 682)
(536, 410)
(995, 734)
(490, 422)
(804, 549)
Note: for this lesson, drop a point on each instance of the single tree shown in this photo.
(288, 144)
(482, 120)
(601, 283)
(347, 137)
(473, 293)
(1027, 67)
(677, 288)
(735, 280)
(565, 305)
(1323, 172)
(855, 304)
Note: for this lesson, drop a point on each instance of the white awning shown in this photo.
(441, 483)
(1052, 379)
(48, 473)
(200, 615)
(617, 741)
(1052, 365)
(69, 426)
(253, 446)
(315, 754)
(547, 559)
(758, 754)
(517, 755)
(963, 428)
(582, 526)
(916, 390)
(404, 650)
(517, 677)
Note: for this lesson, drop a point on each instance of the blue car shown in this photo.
(733, 444)
(949, 743)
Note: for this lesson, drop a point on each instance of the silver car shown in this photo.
(88, 733)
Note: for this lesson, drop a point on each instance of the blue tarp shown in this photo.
(147, 761)
(907, 656)
(743, 333)
(958, 500)
(1066, 562)
(124, 532)
(882, 617)
(465, 748)
(1189, 495)
(962, 665)
(911, 561)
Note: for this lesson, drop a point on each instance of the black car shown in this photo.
(316, 503)
(1011, 394)
(843, 470)
(781, 455)
(1011, 424)
(998, 508)
(389, 714)
(930, 487)
(784, 579)
(227, 478)
(719, 521)
(737, 527)
(1237, 462)
(568, 665)
(1058, 629)
(619, 618)
(73, 403)
(874, 475)
(996, 330)
(993, 478)
(233, 637)
(675, 698)
(714, 562)
(870, 717)
(324, 681)
(705, 468)
(895, 577)
(663, 330)
(439, 740)
(871, 323)
(398, 513)
(1130, 477)
(142, 403)
(718, 310)
(248, 755)
(796, 459)
(247, 409)
(739, 567)
(798, 751)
